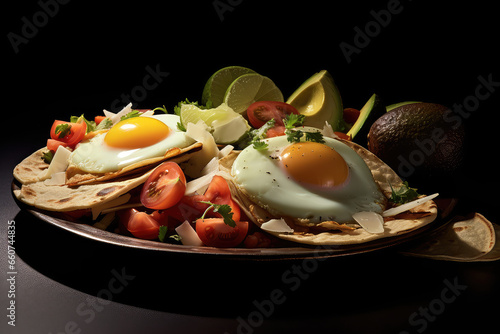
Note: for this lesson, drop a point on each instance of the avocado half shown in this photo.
(318, 99)
(370, 112)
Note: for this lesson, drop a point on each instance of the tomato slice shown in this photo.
(164, 187)
(53, 144)
(73, 136)
(262, 111)
(139, 224)
(215, 233)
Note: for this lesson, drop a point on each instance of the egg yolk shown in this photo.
(136, 132)
(314, 164)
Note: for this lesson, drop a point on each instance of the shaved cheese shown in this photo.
(407, 206)
(147, 113)
(115, 118)
(199, 185)
(200, 133)
(59, 163)
(277, 226)
(327, 131)
(225, 151)
(371, 222)
(105, 221)
(188, 235)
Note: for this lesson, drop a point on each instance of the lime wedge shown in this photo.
(250, 88)
(217, 84)
(225, 125)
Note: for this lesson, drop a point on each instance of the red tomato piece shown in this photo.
(351, 115)
(164, 187)
(53, 144)
(218, 192)
(262, 111)
(99, 119)
(215, 233)
(73, 136)
(139, 224)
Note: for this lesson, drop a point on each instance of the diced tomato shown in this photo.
(277, 130)
(164, 187)
(99, 119)
(351, 115)
(215, 233)
(139, 224)
(257, 240)
(343, 135)
(53, 144)
(262, 111)
(73, 136)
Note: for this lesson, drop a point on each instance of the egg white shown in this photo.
(94, 156)
(259, 174)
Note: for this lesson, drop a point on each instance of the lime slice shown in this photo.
(217, 84)
(192, 114)
(250, 88)
(225, 125)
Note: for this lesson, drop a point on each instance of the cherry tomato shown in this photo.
(218, 192)
(215, 233)
(164, 187)
(73, 136)
(351, 115)
(139, 224)
(262, 111)
(99, 119)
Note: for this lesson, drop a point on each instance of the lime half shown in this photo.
(250, 88)
(217, 84)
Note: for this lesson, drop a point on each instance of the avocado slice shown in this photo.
(370, 112)
(319, 100)
(397, 105)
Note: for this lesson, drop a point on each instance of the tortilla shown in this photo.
(89, 190)
(467, 240)
(30, 169)
(383, 175)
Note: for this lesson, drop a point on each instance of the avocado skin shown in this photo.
(421, 143)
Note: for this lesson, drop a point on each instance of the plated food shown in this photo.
(245, 169)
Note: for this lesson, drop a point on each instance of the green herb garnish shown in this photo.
(404, 194)
(293, 120)
(223, 209)
(132, 114)
(162, 233)
(62, 130)
(47, 156)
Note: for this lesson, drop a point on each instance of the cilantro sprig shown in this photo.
(223, 209)
(403, 194)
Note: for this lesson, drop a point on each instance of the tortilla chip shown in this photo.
(468, 240)
(340, 234)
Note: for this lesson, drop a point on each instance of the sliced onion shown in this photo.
(277, 226)
(188, 235)
(371, 222)
(407, 206)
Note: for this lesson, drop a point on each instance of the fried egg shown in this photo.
(308, 180)
(128, 142)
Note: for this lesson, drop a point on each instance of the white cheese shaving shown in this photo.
(188, 235)
(59, 163)
(371, 222)
(115, 118)
(407, 206)
(277, 226)
(200, 133)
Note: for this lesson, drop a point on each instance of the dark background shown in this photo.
(90, 53)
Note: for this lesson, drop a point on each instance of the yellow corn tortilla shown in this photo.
(383, 175)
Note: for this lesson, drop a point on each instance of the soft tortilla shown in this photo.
(89, 192)
(468, 240)
(29, 170)
(383, 175)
